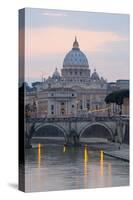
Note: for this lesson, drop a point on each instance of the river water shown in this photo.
(57, 167)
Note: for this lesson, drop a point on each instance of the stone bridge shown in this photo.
(73, 129)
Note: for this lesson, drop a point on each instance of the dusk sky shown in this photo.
(104, 38)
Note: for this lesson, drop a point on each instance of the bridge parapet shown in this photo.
(74, 119)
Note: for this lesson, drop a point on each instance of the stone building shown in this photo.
(62, 102)
(74, 92)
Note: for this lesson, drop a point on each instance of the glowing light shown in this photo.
(86, 160)
(39, 154)
(64, 149)
(86, 154)
(101, 155)
(86, 166)
(102, 109)
(109, 169)
(101, 163)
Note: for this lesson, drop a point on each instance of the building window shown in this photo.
(62, 103)
(88, 106)
(52, 113)
(80, 73)
(72, 95)
(72, 106)
(62, 111)
(52, 107)
(52, 94)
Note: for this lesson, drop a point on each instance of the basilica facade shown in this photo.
(73, 92)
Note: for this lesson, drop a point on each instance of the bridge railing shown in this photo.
(73, 119)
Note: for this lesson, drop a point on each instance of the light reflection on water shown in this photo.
(86, 162)
(56, 167)
(101, 163)
(39, 154)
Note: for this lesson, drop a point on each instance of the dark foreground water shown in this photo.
(56, 167)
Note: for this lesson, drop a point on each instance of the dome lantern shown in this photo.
(75, 44)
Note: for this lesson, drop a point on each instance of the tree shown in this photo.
(117, 97)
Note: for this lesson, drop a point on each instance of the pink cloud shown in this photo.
(52, 40)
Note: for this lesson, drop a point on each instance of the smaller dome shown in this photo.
(56, 74)
(95, 76)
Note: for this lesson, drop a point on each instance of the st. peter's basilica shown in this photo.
(74, 92)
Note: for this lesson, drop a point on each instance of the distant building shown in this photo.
(122, 84)
(125, 107)
(74, 92)
(62, 102)
(112, 87)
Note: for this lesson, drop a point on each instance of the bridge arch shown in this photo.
(97, 124)
(50, 125)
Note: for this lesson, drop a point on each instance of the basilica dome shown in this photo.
(75, 57)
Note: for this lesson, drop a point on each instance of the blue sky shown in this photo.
(104, 38)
